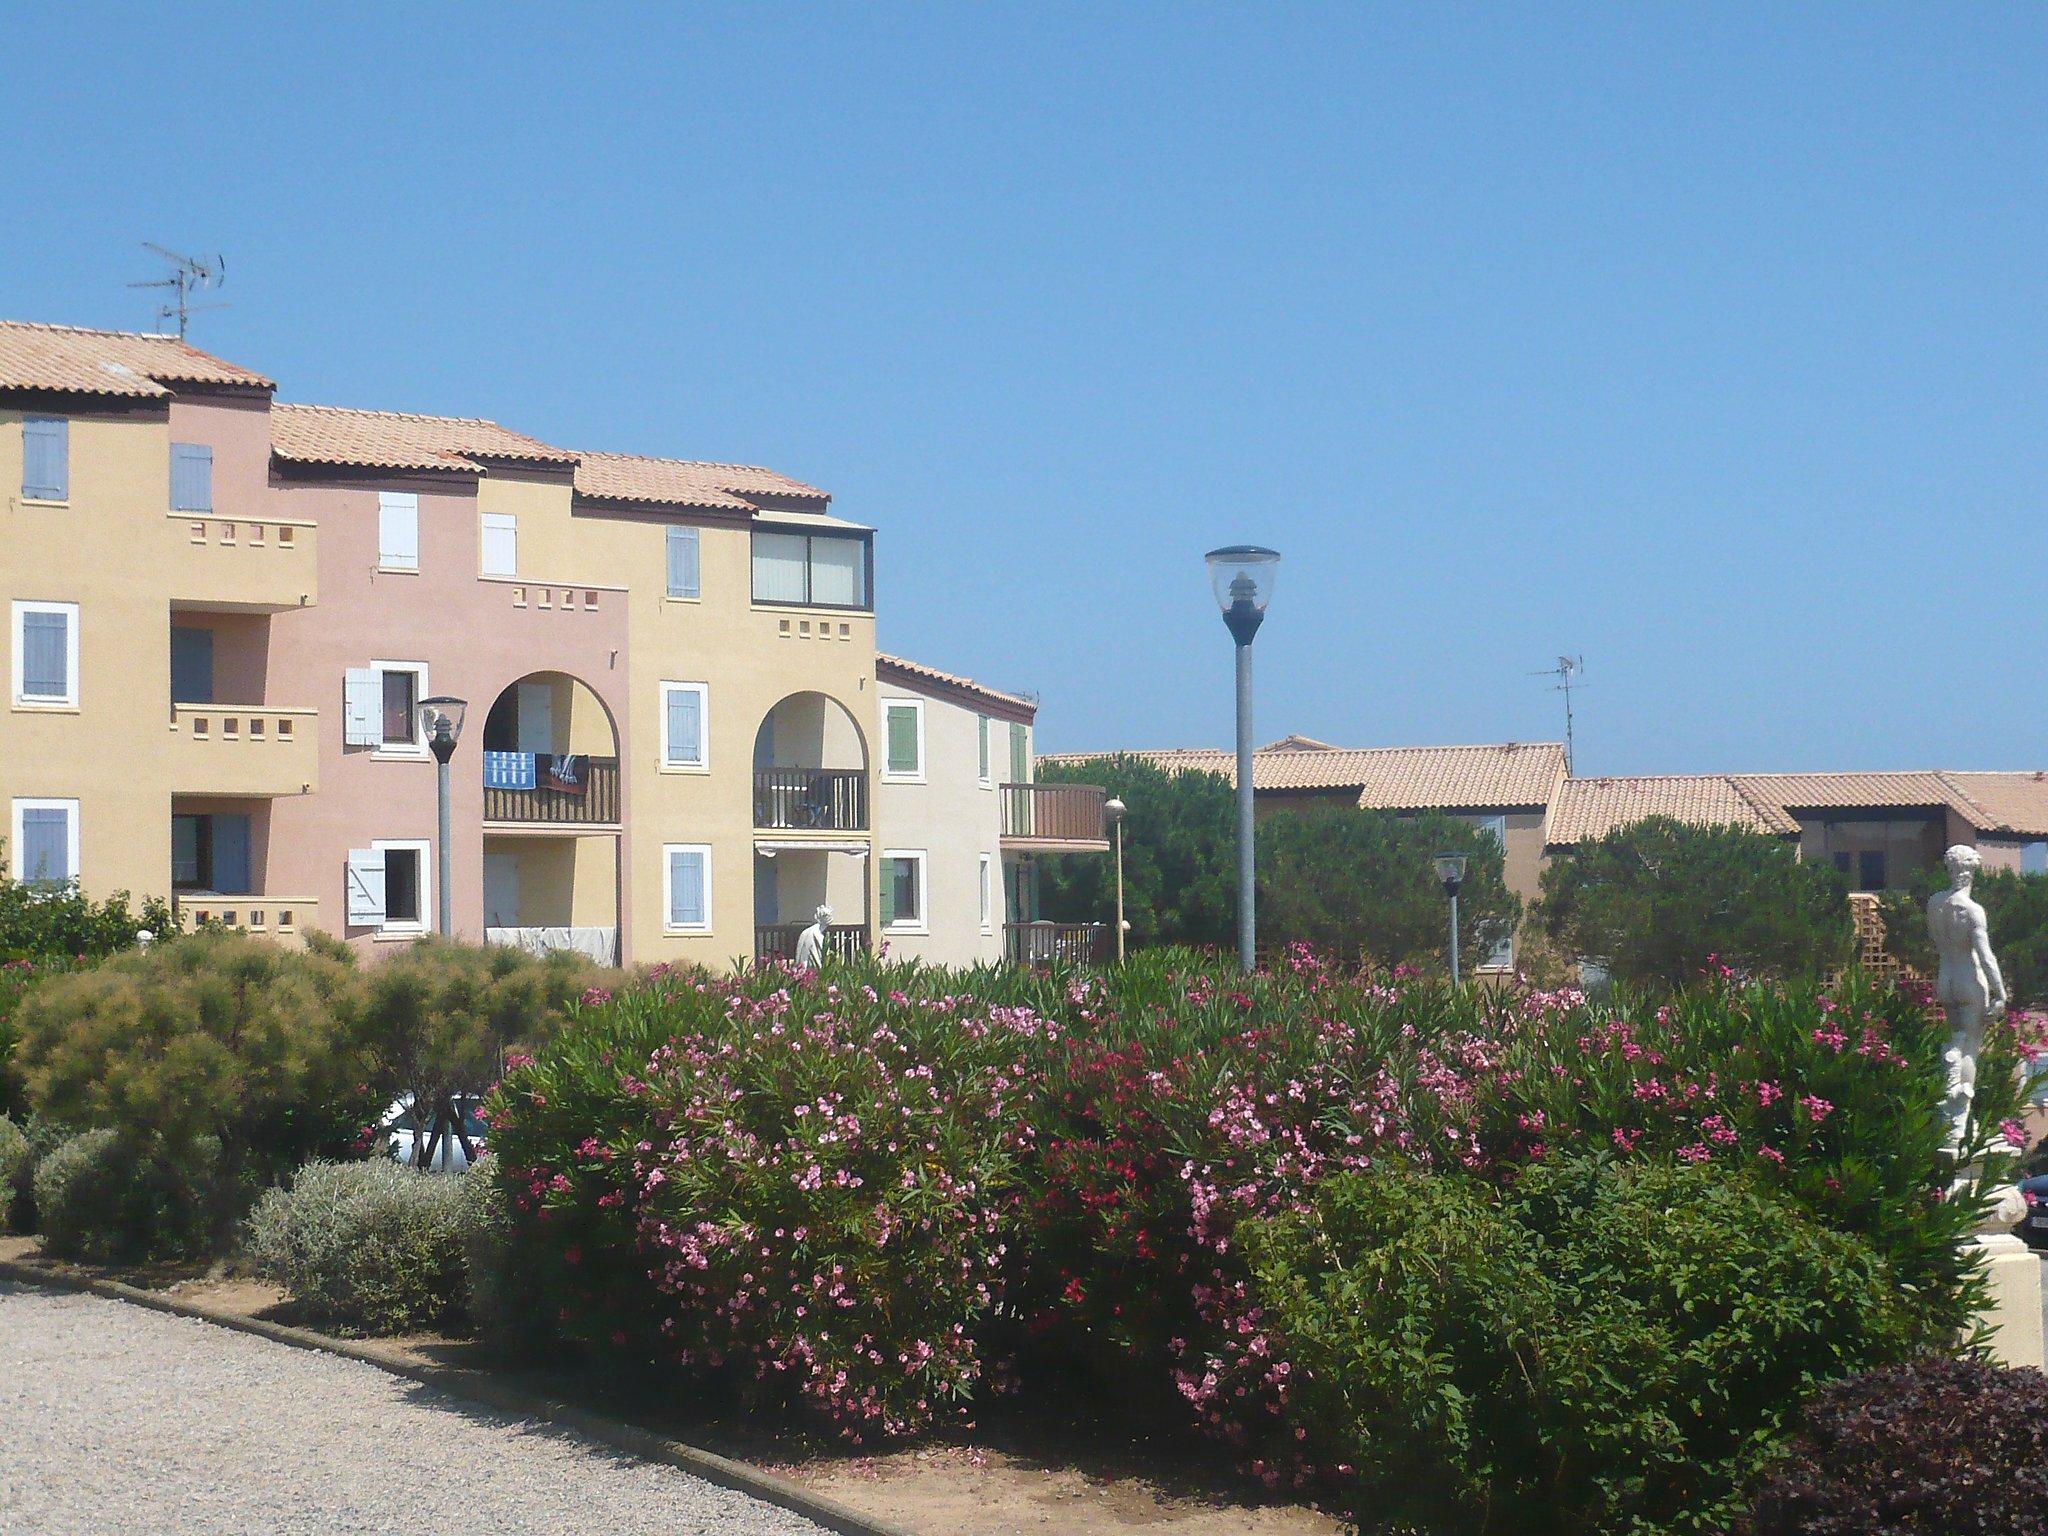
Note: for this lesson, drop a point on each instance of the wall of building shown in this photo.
(954, 817)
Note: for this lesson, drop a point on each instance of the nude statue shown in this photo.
(810, 944)
(1968, 985)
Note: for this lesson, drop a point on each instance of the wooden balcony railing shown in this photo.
(844, 941)
(567, 789)
(1055, 813)
(1064, 943)
(811, 799)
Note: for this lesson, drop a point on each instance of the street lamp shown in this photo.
(1241, 575)
(1113, 813)
(441, 724)
(1450, 869)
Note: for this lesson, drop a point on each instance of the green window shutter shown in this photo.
(982, 720)
(1020, 756)
(902, 739)
(888, 892)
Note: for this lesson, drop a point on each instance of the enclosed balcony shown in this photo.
(550, 757)
(1054, 818)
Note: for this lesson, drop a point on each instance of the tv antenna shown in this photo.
(1567, 673)
(188, 275)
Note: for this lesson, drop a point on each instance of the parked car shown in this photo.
(2033, 1226)
(448, 1156)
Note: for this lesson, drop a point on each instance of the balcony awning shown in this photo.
(816, 522)
(774, 845)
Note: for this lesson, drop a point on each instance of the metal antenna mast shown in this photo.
(1566, 672)
(189, 275)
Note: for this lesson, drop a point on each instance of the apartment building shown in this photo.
(226, 611)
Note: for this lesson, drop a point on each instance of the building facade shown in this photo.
(225, 613)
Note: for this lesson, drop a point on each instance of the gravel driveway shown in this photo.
(117, 1419)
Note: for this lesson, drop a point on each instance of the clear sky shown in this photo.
(1704, 340)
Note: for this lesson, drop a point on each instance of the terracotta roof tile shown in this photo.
(73, 360)
(1850, 791)
(912, 674)
(1588, 809)
(1391, 778)
(330, 434)
(2014, 803)
(684, 482)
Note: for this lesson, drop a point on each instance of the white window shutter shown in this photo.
(398, 530)
(500, 544)
(362, 706)
(366, 887)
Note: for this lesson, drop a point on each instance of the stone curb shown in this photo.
(500, 1395)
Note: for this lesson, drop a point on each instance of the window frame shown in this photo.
(386, 501)
(668, 890)
(207, 449)
(921, 924)
(424, 924)
(44, 803)
(417, 747)
(33, 497)
(668, 565)
(667, 763)
(891, 775)
(988, 903)
(483, 544)
(17, 632)
(810, 536)
(987, 762)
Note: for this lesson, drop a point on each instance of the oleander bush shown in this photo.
(1598, 1347)
(13, 1162)
(874, 1192)
(110, 1199)
(367, 1247)
(1937, 1447)
(506, 1310)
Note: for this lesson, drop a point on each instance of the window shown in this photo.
(191, 477)
(903, 890)
(191, 664)
(45, 844)
(210, 853)
(988, 893)
(499, 539)
(903, 736)
(682, 563)
(46, 655)
(1495, 826)
(398, 531)
(389, 887)
(45, 459)
(687, 877)
(811, 570)
(1842, 862)
(380, 707)
(401, 691)
(1870, 870)
(684, 711)
(982, 722)
(1020, 753)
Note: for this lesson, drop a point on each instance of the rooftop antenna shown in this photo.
(1566, 672)
(189, 275)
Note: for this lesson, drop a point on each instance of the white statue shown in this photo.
(1968, 985)
(810, 944)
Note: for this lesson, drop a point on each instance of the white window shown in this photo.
(398, 531)
(810, 570)
(499, 539)
(903, 890)
(46, 655)
(988, 893)
(380, 707)
(686, 881)
(191, 477)
(685, 734)
(45, 846)
(390, 886)
(982, 722)
(1495, 826)
(682, 563)
(45, 459)
(903, 740)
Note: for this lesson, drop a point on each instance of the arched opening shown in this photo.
(811, 823)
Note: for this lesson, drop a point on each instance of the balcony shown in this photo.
(245, 565)
(551, 789)
(1057, 943)
(284, 918)
(1054, 818)
(777, 941)
(811, 799)
(243, 749)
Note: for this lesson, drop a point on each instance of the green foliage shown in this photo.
(112, 1199)
(16, 977)
(1597, 1350)
(13, 1161)
(1659, 902)
(370, 1247)
(1180, 864)
(1358, 884)
(506, 1309)
(2016, 908)
(41, 923)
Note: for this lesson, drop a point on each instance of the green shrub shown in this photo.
(2016, 907)
(13, 1160)
(371, 1247)
(40, 924)
(102, 1197)
(1598, 1350)
(507, 1310)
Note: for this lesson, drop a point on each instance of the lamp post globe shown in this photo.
(1242, 576)
(441, 720)
(1450, 872)
(1113, 813)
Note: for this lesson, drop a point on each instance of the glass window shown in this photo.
(780, 568)
(838, 567)
(402, 888)
(1870, 869)
(903, 890)
(191, 477)
(401, 698)
(988, 891)
(816, 570)
(188, 852)
(682, 563)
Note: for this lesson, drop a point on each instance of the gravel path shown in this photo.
(117, 1419)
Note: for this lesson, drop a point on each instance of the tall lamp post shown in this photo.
(1450, 869)
(1241, 576)
(441, 724)
(1113, 813)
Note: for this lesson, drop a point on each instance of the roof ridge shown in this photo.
(370, 410)
(662, 458)
(99, 330)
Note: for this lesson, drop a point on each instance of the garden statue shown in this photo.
(1968, 984)
(810, 944)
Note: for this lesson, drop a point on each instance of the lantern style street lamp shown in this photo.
(441, 724)
(1241, 575)
(1113, 813)
(1450, 869)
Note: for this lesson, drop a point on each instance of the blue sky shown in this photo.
(1706, 341)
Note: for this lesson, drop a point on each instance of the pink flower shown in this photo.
(2014, 1133)
(1772, 1156)
(1816, 1108)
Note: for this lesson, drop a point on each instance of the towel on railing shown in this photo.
(565, 774)
(509, 770)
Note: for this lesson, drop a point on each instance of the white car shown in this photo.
(448, 1156)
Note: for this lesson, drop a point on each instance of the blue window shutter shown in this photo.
(46, 846)
(45, 655)
(46, 458)
(191, 477)
(191, 664)
(686, 888)
(231, 855)
(685, 726)
(682, 563)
